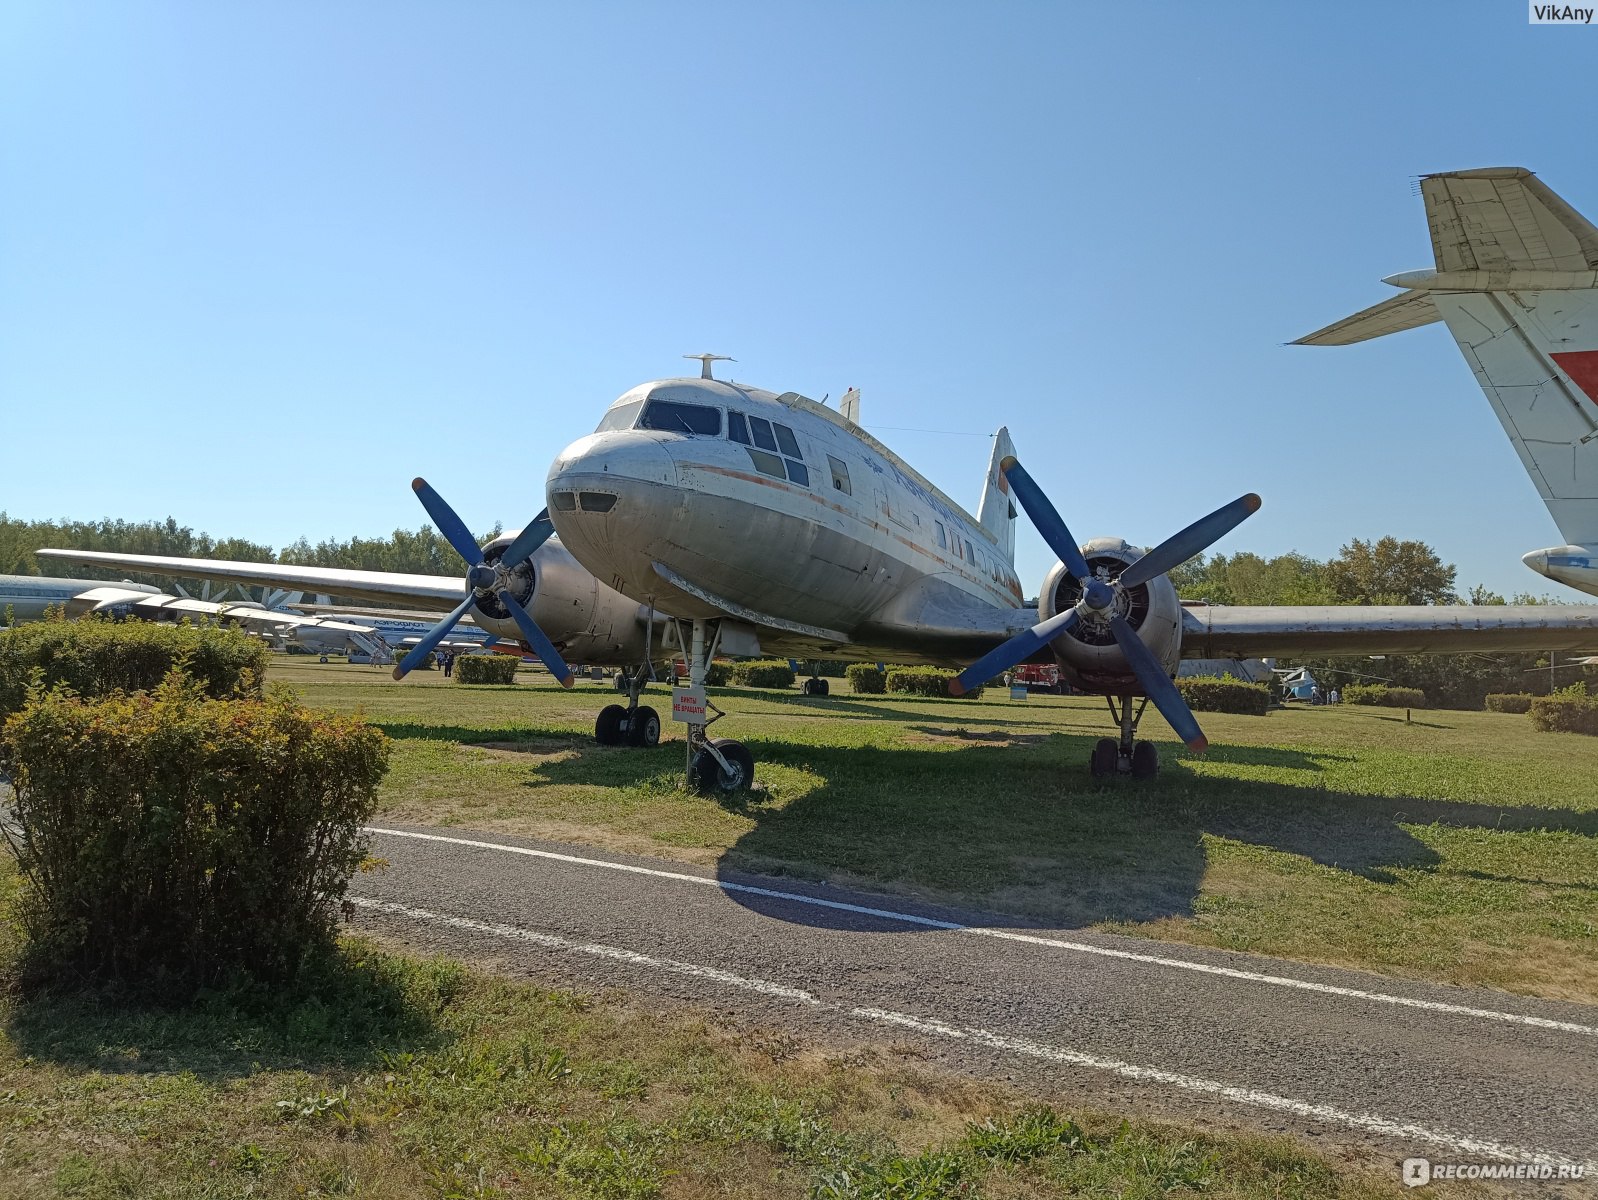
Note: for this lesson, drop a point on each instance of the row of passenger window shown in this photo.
(774, 450)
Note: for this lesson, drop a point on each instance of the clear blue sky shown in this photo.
(262, 263)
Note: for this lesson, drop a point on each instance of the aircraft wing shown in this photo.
(1242, 631)
(158, 607)
(1504, 218)
(367, 585)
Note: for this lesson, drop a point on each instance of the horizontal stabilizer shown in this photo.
(1504, 218)
(1409, 310)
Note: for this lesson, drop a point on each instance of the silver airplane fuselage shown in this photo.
(704, 498)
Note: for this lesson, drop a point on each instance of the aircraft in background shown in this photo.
(1516, 281)
(31, 597)
(743, 522)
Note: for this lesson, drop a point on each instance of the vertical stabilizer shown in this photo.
(996, 513)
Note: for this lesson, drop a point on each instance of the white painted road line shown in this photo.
(1368, 1122)
(1181, 964)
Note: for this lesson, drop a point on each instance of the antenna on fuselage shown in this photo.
(705, 360)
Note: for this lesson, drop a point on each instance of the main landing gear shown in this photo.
(633, 724)
(1128, 756)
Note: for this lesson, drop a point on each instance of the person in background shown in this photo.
(449, 664)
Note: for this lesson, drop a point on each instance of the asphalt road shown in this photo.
(1404, 1069)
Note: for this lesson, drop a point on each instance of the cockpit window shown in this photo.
(620, 417)
(669, 416)
(761, 428)
(737, 430)
(786, 441)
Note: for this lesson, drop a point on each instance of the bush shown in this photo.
(925, 681)
(1510, 702)
(1570, 710)
(763, 673)
(718, 673)
(1225, 694)
(867, 679)
(169, 841)
(1383, 696)
(95, 657)
(487, 668)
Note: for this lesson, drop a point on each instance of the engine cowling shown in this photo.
(587, 621)
(1087, 654)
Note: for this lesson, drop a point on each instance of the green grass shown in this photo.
(386, 1076)
(1460, 847)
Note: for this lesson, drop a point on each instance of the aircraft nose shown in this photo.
(607, 464)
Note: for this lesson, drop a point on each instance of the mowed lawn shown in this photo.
(1460, 847)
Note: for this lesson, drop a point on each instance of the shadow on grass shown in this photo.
(349, 1010)
(476, 734)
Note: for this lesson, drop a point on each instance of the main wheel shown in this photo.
(822, 687)
(621, 681)
(709, 776)
(1145, 760)
(816, 687)
(1106, 760)
(644, 727)
(607, 729)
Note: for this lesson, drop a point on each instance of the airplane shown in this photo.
(744, 522)
(1516, 281)
(31, 597)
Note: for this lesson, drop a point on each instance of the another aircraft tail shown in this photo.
(996, 513)
(1516, 281)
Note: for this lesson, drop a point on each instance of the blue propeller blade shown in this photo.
(1195, 539)
(529, 539)
(418, 653)
(1157, 685)
(1045, 518)
(1018, 649)
(540, 644)
(451, 526)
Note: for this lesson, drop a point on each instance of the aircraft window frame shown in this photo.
(767, 463)
(784, 433)
(798, 472)
(564, 501)
(943, 538)
(737, 428)
(623, 416)
(840, 476)
(759, 425)
(970, 554)
(677, 416)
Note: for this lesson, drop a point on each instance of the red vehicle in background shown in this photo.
(1039, 677)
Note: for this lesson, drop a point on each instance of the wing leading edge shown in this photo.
(1227, 631)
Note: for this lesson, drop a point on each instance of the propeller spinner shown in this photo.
(485, 581)
(1098, 602)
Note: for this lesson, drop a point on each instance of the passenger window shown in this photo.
(786, 441)
(761, 428)
(766, 464)
(736, 429)
(840, 476)
(943, 540)
(970, 554)
(797, 471)
(668, 416)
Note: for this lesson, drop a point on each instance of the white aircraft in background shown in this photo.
(747, 522)
(31, 597)
(1516, 281)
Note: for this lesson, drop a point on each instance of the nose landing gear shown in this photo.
(1126, 756)
(633, 724)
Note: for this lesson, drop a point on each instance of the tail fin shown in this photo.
(1517, 284)
(996, 513)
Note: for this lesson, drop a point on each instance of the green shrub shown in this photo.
(718, 674)
(169, 842)
(1510, 702)
(1226, 694)
(487, 668)
(866, 679)
(1569, 710)
(95, 657)
(763, 673)
(1383, 696)
(924, 681)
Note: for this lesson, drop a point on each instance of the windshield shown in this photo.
(671, 417)
(620, 417)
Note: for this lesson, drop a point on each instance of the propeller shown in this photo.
(1098, 600)
(485, 581)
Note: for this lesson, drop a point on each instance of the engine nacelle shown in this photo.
(587, 621)
(1087, 654)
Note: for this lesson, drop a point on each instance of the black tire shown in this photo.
(607, 729)
(709, 777)
(643, 730)
(1145, 760)
(1106, 760)
(822, 687)
(621, 681)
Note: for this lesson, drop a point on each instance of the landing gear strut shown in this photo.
(1128, 756)
(716, 766)
(635, 724)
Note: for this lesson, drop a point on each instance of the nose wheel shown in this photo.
(1126, 755)
(632, 724)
